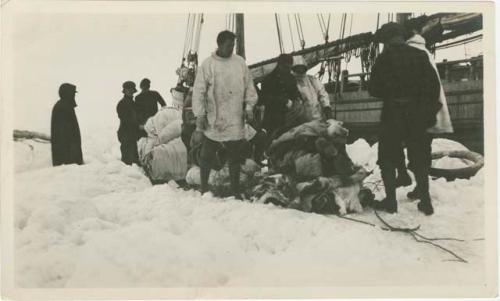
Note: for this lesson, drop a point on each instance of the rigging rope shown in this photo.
(325, 26)
(321, 25)
(186, 38)
(328, 26)
(191, 32)
(189, 62)
(198, 33)
(291, 32)
(230, 21)
(300, 32)
(463, 41)
(280, 40)
(349, 53)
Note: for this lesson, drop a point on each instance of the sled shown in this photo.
(458, 173)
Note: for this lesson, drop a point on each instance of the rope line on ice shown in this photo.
(412, 232)
(415, 235)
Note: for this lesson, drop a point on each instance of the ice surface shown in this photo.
(103, 225)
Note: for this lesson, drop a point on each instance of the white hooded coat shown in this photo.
(312, 92)
(221, 89)
(443, 120)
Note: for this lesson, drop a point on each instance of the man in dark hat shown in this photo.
(65, 131)
(128, 133)
(406, 81)
(279, 90)
(147, 101)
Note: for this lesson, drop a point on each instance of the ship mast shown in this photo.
(240, 35)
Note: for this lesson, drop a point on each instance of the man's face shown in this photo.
(285, 67)
(299, 71)
(72, 94)
(226, 48)
(129, 92)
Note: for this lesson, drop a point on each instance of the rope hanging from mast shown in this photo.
(325, 28)
(231, 22)
(300, 32)
(184, 51)
(349, 53)
(291, 32)
(189, 63)
(324, 25)
(278, 29)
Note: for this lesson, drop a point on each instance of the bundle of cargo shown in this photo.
(162, 153)
(313, 171)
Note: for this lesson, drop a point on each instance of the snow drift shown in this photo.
(104, 225)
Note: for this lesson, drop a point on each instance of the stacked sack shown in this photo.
(162, 153)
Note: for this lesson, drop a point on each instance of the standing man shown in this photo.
(223, 97)
(128, 133)
(404, 78)
(64, 130)
(279, 90)
(315, 98)
(147, 102)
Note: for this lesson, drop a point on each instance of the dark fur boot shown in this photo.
(425, 204)
(390, 203)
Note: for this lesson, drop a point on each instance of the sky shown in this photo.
(99, 51)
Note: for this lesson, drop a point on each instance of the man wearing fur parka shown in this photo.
(223, 97)
(407, 83)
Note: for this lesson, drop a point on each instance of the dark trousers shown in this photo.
(214, 154)
(259, 144)
(129, 152)
(186, 133)
(399, 127)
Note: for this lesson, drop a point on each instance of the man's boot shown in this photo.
(204, 175)
(414, 194)
(403, 178)
(234, 178)
(425, 204)
(390, 203)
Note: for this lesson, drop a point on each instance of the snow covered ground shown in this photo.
(103, 225)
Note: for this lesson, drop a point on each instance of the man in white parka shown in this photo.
(443, 120)
(223, 97)
(313, 94)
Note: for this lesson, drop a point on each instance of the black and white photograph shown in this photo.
(159, 149)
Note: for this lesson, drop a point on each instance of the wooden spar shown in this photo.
(21, 134)
(240, 35)
(455, 23)
(316, 54)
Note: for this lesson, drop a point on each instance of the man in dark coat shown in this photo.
(128, 133)
(147, 102)
(406, 81)
(279, 91)
(65, 132)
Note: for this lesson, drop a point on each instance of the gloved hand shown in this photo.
(196, 138)
(201, 123)
(289, 104)
(328, 112)
(249, 114)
